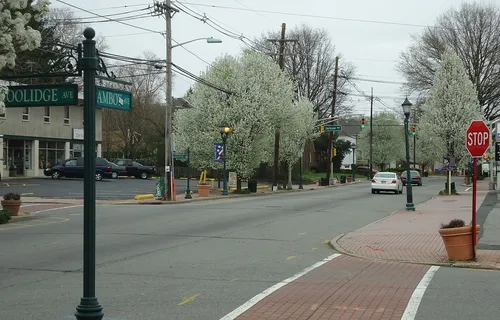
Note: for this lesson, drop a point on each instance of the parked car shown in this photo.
(117, 171)
(73, 168)
(415, 177)
(365, 170)
(135, 169)
(387, 181)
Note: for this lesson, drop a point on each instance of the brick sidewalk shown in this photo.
(414, 236)
(345, 288)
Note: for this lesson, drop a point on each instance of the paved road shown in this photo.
(193, 261)
(121, 188)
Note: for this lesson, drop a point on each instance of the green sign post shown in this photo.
(42, 95)
(333, 128)
(114, 99)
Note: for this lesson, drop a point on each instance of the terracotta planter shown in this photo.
(203, 190)
(458, 242)
(349, 179)
(12, 206)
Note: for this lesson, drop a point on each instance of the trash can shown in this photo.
(324, 182)
(343, 179)
(252, 186)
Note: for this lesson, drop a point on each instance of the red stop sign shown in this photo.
(477, 138)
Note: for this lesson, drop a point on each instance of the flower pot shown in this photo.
(203, 190)
(349, 179)
(12, 206)
(458, 242)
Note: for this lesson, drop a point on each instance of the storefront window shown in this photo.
(50, 153)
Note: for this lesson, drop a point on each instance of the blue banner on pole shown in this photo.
(219, 152)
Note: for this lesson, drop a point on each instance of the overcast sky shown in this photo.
(372, 47)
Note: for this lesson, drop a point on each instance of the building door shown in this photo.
(16, 157)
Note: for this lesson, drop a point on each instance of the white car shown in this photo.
(387, 181)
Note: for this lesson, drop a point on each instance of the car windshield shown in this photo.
(385, 175)
(137, 164)
(414, 174)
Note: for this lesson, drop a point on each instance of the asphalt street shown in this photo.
(121, 188)
(200, 260)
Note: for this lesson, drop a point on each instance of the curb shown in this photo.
(25, 217)
(464, 265)
(144, 196)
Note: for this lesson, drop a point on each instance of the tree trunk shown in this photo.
(238, 184)
(289, 185)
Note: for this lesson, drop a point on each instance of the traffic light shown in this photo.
(414, 130)
(321, 129)
(334, 152)
(363, 121)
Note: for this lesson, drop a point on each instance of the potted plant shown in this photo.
(457, 238)
(203, 189)
(5, 216)
(12, 202)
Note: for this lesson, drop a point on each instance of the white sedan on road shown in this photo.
(387, 181)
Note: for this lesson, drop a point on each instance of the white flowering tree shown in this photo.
(260, 91)
(451, 106)
(15, 34)
(388, 140)
(299, 125)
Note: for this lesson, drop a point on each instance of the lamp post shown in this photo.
(353, 162)
(188, 173)
(224, 129)
(409, 194)
(209, 40)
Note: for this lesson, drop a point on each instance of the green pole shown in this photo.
(188, 190)
(409, 193)
(89, 307)
(224, 186)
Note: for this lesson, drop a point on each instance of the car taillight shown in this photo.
(373, 180)
(393, 181)
(109, 169)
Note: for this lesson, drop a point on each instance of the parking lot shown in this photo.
(107, 189)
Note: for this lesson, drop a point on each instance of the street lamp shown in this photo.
(409, 194)
(224, 129)
(353, 146)
(209, 40)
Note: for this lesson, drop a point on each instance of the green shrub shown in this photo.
(5, 216)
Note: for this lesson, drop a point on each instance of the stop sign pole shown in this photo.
(477, 141)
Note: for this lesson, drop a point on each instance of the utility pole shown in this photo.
(166, 9)
(281, 62)
(329, 173)
(414, 151)
(371, 134)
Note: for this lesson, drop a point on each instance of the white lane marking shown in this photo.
(60, 208)
(418, 294)
(467, 189)
(250, 303)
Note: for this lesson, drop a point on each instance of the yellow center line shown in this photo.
(314, 249)
(235, 279)
(291, 257)
(188, 300)
(302, 234)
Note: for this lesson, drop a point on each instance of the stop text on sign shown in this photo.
(477, 138)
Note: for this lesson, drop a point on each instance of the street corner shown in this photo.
(31, 222)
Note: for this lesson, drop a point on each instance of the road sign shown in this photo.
(114, 99)
(42, 95)
(180, 156)
(219, 152)
(333, 128)
(477, 138)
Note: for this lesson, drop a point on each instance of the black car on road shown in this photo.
(73, 168)
(135, 169)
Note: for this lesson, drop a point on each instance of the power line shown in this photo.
(119, 7)
(308, 15)
(106, 15)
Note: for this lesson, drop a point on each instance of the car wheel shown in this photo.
(114, 175)
(373, 191)
(144, 175)
(400, 191)
(56, 175)
(419, 184)
(98, 176)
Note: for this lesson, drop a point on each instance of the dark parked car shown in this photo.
(135, 169)
(73, 168)
(365, 170)
(415, 177)
(117, 171)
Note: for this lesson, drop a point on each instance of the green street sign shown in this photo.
(333, 128)
(114, 99)
(180, 156)
(42, 95)
(160, 188)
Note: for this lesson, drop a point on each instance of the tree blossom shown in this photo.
(451, 106)
(388, 139)
(261, 90)
(15, 34)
